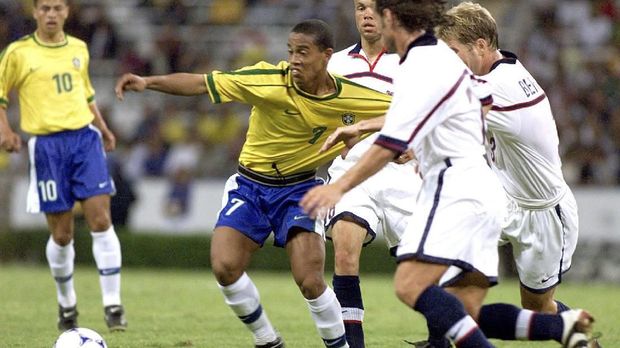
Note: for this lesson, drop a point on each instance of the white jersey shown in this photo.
(384, 202)
(436, 111)
(353, 64)
(523, 136)
(446, 120)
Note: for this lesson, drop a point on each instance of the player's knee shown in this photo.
(62, 239)
(100, 222)
(225, 272)
(311, 286)
(347, 261)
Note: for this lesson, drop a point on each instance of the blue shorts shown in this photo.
(256, 210)
(65, 167)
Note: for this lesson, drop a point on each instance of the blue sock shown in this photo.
(445, 315)
(349, 294)
(546, 327)
(499, 320)
(562, 307)
(508, 322)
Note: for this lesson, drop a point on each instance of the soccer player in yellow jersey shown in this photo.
(49, 69)
(296, 104)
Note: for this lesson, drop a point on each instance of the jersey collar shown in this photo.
(356, 49)
(337, 83)
(509, 58)
(427, 39)
(40, 42)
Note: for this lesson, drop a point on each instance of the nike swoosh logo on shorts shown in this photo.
(300, 217)
(545, 280)
(103, 184)
(291, 112)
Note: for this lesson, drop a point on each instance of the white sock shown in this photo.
(60, 260)
(107, 254)
(243, 298)
(462, 328)
(327, 316)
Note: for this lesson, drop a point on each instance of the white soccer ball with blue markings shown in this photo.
(80, 338)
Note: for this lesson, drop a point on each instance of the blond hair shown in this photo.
(469, 22)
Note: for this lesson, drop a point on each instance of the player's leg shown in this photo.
(60, 257)
(106, 250)
(50, 192)
(445, 314)
(306, 252)
(348, 238)
(231, 253)
(91, 184)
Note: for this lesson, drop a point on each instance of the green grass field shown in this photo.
(180, 308)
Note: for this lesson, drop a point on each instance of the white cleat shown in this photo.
(577, 329)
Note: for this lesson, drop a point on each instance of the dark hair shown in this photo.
(36, 2)
(323, 36)
(415, 14)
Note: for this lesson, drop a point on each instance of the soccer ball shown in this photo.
(80, 338)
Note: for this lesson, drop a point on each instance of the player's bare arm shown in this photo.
(321, 198)
(109, 140)
(178, 84)
(351, 135)
(9, 140)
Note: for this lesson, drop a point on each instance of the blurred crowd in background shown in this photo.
(570, 46)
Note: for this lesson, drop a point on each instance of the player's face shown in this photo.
(366, 20)
(51, 15)
(306, 58)
(468, 54)
(387, 25)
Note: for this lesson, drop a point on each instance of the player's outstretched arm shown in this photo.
(320, 199)
(178, 84)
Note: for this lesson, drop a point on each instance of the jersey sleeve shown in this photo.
(482, 90)
(88, 87)
(416, 109)
(242, 85)
(8, 71)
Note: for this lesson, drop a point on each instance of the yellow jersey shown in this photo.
(288, 126)
(52, 81)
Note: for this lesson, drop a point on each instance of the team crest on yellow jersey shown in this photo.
(348, 118)
(76, 62)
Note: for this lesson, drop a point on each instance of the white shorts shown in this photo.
(382, 204)
(458, 219)
(543, 241)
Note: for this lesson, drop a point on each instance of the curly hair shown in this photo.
(415, 14)
(321, 31)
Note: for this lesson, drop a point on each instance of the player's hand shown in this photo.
(129, 82)
(109, 140)
(317, 202)
(350, 135)
(405, 157)
(10, 141)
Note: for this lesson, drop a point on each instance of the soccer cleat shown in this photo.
(577, 329)
(421, 344)
(115, 318)
(277, 343)
(67, 318)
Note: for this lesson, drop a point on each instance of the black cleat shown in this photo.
(115, 318)
(277, 343)
(67, 318)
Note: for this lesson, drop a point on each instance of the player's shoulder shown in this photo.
(76, 42)
(263, 68)
(347, 52)
(22, 42)
(350, 89)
